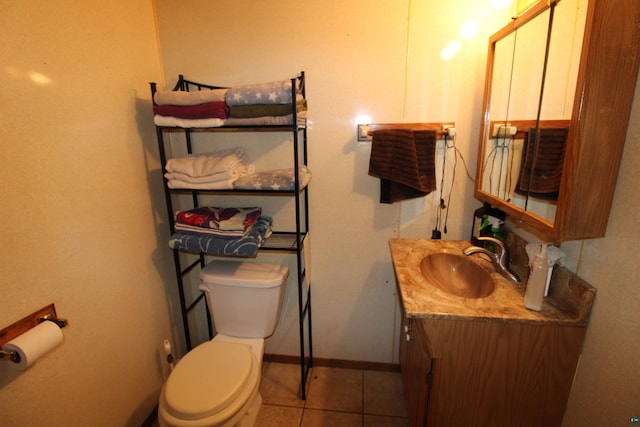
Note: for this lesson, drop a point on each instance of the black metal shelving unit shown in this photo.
(293, 241)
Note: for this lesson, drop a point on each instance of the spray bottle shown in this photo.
(496, 225)
(534, 294)
(487, 221)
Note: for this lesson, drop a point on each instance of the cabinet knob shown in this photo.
(407, 328)
(408, 337)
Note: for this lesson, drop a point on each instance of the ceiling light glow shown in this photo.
(450, 50)
(363, 119)
(468, 30)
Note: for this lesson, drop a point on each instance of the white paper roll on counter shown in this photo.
(35, 343)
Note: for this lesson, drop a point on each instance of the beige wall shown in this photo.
(607, 386)
(80, 195)
(378, 59)
(84, 212)
(382, 59)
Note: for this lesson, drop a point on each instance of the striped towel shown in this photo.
(404, 160)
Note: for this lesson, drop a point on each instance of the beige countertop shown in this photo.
(569, 302)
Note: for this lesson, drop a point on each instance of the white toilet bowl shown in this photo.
(215, 384)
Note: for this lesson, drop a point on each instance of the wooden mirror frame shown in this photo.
(604, 93)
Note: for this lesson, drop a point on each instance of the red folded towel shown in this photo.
(219, 218)
(209, 110)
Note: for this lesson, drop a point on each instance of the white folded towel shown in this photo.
(218, 185)
(178, 97)
(173, 122)
(235, 172)
(198, 165)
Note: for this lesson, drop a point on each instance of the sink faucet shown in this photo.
(499, 257)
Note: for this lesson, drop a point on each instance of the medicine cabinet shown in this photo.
(558, 92)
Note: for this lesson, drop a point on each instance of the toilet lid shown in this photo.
(208, 379)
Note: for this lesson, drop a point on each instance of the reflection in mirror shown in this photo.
(516, 81)
(558, 95)
(527, 116)
(564, 59)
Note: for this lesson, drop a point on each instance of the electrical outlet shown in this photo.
(450, 129)
(504, 131)
(363, 133)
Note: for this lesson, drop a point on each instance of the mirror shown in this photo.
(530, 85)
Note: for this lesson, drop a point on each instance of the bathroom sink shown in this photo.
(457, 275)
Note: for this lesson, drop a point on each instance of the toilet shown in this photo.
(217, 383)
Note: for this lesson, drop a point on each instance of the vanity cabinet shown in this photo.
(464, 372)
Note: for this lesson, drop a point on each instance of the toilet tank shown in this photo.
(244, 298)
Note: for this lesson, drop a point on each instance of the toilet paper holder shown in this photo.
(45, 314)
(9, 355)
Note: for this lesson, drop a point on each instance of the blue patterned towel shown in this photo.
(262, 93)
(245, 246)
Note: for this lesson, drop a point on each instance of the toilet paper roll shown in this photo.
(35, 343)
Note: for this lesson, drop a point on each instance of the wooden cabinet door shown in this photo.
(500, 373)
(415, 366)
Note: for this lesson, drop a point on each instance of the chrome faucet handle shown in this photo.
(500, 257)
(498, 243)
(492, 240)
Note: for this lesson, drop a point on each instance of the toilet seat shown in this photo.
(210, 385)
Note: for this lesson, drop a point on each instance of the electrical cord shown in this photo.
(453, 180)
(436, 234)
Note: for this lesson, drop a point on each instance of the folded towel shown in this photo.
(211, 232)
(247, 245)
(233, 173)
(404, 160)
(179, 97)
(262, 93)
(278, 180)
(268, 120)
(177, 184)
(261, 110)
(198, 165)
(176, 122)
(541, 169)
(209, 110)
(219, 218)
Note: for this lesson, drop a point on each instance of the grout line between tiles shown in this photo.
(362, 412)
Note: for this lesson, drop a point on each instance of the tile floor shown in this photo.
(335, 397)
